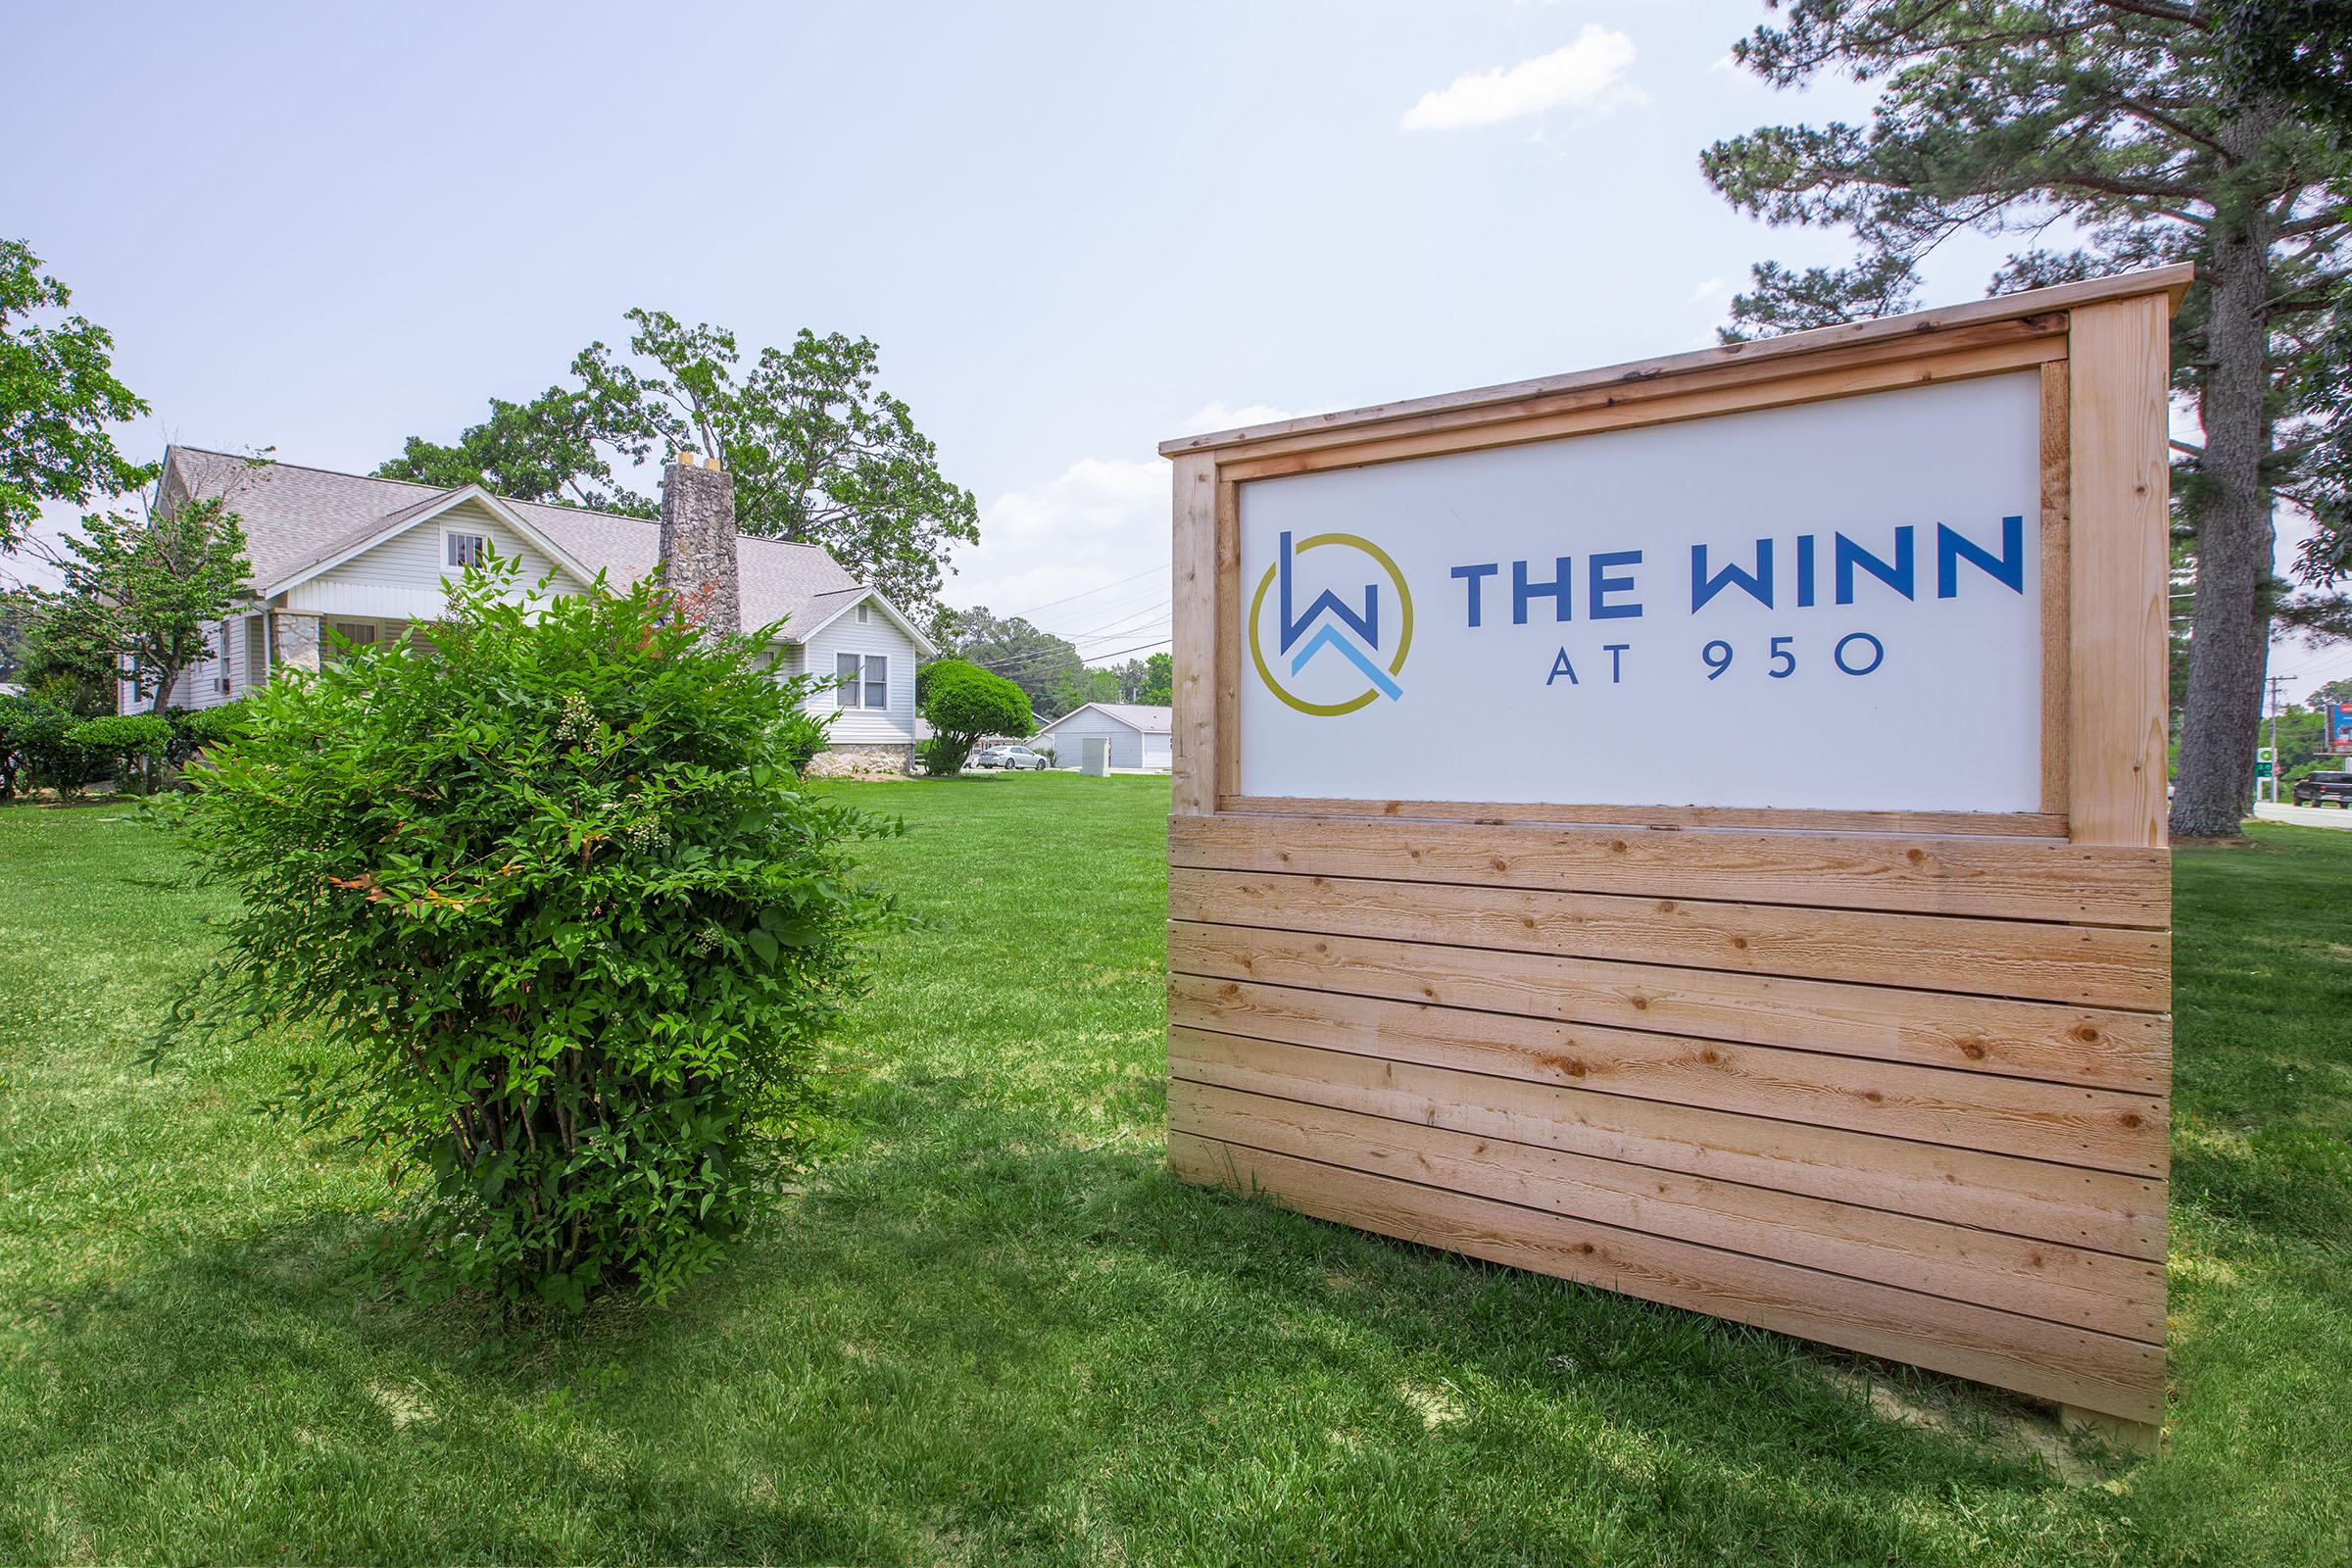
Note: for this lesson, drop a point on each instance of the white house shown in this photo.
(1140, 736)
(361, 557)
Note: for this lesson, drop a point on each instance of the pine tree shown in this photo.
(2125, 127)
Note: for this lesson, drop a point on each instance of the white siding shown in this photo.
(1126, 742)
(199, 685)
(400, 580)
(861, 726)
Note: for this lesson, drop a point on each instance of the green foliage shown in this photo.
(150, 587)
(569, 929)
(1038, 662)
(962, 703)
(544, 450)
(128, 747)
(194, 730)
(13, 711)
(58, 393)
(820, 453)
(36, 731)
(803, 735)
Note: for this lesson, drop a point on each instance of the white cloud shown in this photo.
(1588, 73)
(1088, 549)
(1100, 522)
(1711, 291)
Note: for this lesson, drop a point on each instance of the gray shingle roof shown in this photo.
(296, 517)
(1135, 715)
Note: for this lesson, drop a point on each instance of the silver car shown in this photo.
(1007, 757)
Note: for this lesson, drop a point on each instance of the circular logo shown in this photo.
(1353, 638)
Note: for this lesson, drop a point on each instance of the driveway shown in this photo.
(2334, 816)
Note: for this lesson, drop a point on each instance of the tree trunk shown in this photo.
(163, 693)
(2229, 631)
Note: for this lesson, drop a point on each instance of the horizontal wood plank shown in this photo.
(2096, 965)
(2093, 1046)
(2101, 1210)
(1801, 384)
(2047, 826)
(1994, 878)
(2069, 1126)
(2039, 1279)
(2102, 1372)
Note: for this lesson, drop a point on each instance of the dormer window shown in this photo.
(468, 549)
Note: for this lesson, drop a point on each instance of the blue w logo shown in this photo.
(1366, 626)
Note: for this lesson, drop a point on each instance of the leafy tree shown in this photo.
(2296, 51)
(149, 587)
(1084, 685)
(544, 450)
(820, 453)
(1038, 663)
(1159, 681)
(34, 655)
(567, 928)
(2113, 119)
(962, 703)
(58, 393)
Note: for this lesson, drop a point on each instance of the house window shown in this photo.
(359, 633)
(863, 679)
(865, 613)
(468, 549)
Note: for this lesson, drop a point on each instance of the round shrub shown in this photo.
(46, 758)
(570, 930)
(962, 703)
(124, 746)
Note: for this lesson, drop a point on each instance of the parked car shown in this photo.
(1007, 757)
(2319, 789)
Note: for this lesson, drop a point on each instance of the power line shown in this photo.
(1084, 594)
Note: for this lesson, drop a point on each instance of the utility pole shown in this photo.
(2277, 681)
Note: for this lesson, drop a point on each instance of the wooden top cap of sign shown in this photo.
(2172, 280)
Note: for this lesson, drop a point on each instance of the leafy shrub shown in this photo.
(569, 927)
(194, 730)
(47, 758)
(964, 702)
(125, 747)
(805, 734)
(13, 711)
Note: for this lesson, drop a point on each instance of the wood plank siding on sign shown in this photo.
(1894, 1082)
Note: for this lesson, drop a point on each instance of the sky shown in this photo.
(1073, 229)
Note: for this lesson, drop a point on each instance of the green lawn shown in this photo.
(992, 1329)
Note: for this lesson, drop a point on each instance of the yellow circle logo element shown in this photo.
(1404, 635)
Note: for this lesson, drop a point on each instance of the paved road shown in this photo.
(2305, 815)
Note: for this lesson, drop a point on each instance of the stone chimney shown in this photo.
(697, 542)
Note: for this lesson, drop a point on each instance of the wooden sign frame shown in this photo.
(1895, 1081)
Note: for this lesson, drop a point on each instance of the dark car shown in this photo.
(2319, 789)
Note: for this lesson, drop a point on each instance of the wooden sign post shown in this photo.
(1697, 828)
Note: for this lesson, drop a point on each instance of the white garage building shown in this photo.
(1138, 735)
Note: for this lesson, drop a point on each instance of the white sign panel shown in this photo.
(1833, 606)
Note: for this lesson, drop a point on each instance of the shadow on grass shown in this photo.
(1021, 1352)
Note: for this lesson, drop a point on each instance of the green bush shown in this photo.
(45, 758)
(569, 929)
(127, 748)
(964, 702)
(195, 728)
(805, 734)
(13, 711)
